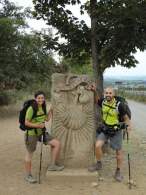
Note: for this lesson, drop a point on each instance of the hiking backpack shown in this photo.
(22, 114)
(128, 111)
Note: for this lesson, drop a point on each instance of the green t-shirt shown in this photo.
(40, 118)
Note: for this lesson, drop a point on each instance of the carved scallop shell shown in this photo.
(74, 118)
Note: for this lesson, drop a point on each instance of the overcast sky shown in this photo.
(140, 56)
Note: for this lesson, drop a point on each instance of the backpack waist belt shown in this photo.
(111, 126)
(109, 130)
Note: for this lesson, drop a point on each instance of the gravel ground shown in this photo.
(12, 168)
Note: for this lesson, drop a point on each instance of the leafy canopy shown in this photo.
(120, 29)
(23, 58)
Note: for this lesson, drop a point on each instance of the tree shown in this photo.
(118, 30)
(36, 62)
(23, 57)
(77, 65)
(11, 20)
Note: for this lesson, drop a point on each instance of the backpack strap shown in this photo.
(35, 109)
(117, 105)
(110, 107)
(104, 104)
(26, 135)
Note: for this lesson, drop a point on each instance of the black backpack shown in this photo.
(128, 111)
(22, 114)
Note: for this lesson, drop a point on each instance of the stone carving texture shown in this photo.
(73, 118)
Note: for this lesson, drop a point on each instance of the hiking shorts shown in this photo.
(115, 141)
(31, 141)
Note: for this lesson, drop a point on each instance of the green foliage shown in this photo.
(78, 66)
(36, 62)
(4, 99)
(9, 37)
(25, 62)
(120, 29)
(76, 32)
(9, 97)
(21, 51)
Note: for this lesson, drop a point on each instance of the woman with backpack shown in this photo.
(35, 118)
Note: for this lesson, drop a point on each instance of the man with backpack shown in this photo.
(113, 112)
(34, 125)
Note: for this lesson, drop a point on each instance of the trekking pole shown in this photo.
(130, 181)
(129, 165)
(41, 151)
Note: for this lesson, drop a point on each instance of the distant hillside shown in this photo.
(115, 78)
(126, 81)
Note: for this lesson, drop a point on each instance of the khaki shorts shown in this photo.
(31, 141)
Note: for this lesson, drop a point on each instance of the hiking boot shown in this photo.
(55, 167)
(118, 177)
(95, 167)
(30, 179)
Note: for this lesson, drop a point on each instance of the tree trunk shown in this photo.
(98, 74)
(100, 82)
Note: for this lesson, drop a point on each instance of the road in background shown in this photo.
(138, 116)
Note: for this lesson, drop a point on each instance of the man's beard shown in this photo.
(108, 98)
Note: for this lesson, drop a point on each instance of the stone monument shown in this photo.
(73, 120)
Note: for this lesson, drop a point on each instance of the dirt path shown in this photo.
(12, 171)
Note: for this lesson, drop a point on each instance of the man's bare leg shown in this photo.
(119, 158)
(98, 153)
